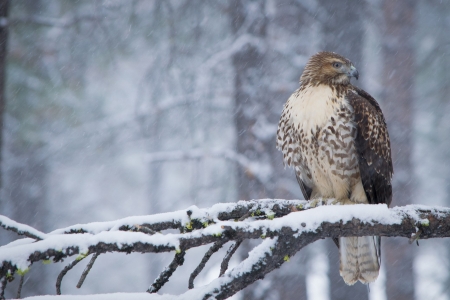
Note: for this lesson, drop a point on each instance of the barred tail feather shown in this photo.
(359, 259)
(348, 252)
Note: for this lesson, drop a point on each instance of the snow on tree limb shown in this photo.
(21, 229)
(285, 227)
(178, 219)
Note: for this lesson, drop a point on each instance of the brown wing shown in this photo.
(373, 147)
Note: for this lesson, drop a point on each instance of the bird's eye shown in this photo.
(337, 65)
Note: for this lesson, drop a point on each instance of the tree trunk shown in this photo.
(250, 97)
(398, 80)
(25, 169)
(256, 109)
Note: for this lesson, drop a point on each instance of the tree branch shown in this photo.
(214, 248)
(284, 226)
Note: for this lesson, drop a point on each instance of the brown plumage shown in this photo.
(335, 137)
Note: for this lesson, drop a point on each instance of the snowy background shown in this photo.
(122, 108)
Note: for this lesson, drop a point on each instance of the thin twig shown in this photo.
(64, 272)
(178, 260)
(226, 259)
(214, 248)
(87, 269)
(19, 290)
(2, 292)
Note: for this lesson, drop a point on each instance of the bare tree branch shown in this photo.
(87, 269)
(228, 256)
(178, 260)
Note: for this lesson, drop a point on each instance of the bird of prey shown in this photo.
(335, 137)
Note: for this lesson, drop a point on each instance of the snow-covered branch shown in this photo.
(21, 229)
(285, 226)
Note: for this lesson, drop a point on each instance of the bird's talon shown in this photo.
(315, 202)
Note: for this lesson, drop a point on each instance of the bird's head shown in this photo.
(328, 68)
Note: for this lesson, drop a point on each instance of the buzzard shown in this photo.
(335, 137)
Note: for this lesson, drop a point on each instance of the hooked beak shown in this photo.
(353, 72)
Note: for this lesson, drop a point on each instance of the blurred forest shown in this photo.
(116, 108)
